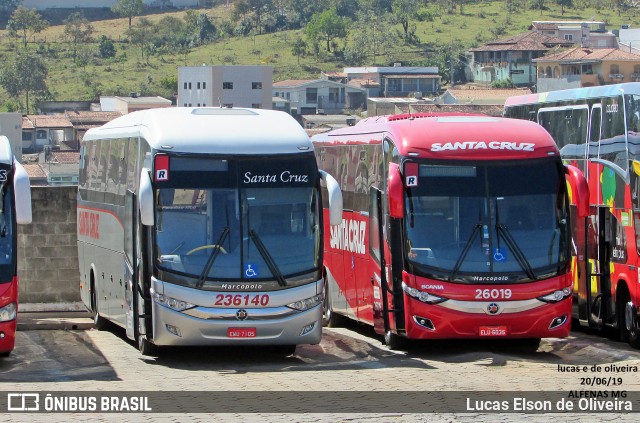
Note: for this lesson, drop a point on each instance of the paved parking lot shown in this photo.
(348, 360)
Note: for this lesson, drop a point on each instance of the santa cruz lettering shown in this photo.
(481, 145)
(286, 177)
(349, 236)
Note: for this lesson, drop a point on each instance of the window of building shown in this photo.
(636, 68)
(185, 85)
(198, 104)
(256, 85)
(228, 105)
(189, 85)
(312, 95)
(256, 106)
(185, 104)
(568, 37)
(614, 68)
(198, 86)
(227, 85)
(204, 85)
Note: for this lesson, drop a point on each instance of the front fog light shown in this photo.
(308, 328)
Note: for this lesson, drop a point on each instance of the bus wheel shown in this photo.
(99, 322)
(393, 341)
(146, 347)
(631, 325)
(5, 354)
(285, 350)
(329, 319)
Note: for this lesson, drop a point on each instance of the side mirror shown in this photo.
(335, 198)
(145, 199)
(579, 194)
(396, 192)
(22, 190)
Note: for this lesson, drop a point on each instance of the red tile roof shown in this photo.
(35, 171)
(587, 54)
(47, 121)
(66, 157)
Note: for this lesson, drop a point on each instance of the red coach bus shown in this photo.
(15, 208)
(454, 226)
(598, 130)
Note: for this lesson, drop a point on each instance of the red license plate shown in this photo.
(493, 331)
(241, 332)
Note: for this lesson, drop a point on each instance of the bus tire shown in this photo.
(329, 318)
(146, 347)
(631, 325)
(99, 322)
(5, 354)
(393, 341)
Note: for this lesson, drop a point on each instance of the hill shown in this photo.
(438, 35)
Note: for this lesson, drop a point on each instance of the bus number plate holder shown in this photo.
(241, 332)
(493, 331)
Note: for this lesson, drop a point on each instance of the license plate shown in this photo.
(241, 332)
(493, 331)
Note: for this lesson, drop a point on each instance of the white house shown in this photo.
(395, 81)
(312, 96)
(225, 86)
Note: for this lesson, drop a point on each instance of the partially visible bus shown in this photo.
(453, 226)
(598, 130)
(15, 208)
(203, 226)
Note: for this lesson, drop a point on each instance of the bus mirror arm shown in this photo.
(335, 198)
(580, 190)
(145, 199)
(22, 189)
(396, 192)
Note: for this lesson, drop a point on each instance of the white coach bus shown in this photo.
(203, 226)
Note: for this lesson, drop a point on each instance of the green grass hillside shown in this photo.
(129, 72)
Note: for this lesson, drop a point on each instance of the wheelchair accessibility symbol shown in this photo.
(499, 255)
(251, 270)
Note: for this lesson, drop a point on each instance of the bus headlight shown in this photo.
(169, 302)
(557, 296)
(307, 303)
(8, 312)
(425, 297)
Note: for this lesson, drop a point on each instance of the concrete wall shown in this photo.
(47, 248)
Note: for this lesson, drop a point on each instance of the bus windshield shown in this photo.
(243, 233)
(7, 266)
(495, 222)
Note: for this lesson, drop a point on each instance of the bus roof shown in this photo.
(210, 130)
(452, 136)
(6, 156)
(575, 94)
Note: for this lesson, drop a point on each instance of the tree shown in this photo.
(77, 30)
(128, 8)
(326, 26)
(402, 11)
(299, 48)
(563, 4)
(25, 75)
(106, 48)
(141, 34)
(26, 21)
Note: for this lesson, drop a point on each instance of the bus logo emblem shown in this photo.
(412, 181)
(241, 314)
(493, 308)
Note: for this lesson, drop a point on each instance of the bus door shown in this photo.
(131, 281)
(595, 286)
(379, 283)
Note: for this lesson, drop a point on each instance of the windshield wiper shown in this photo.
(212, 257)
(465, 251)
(271, 264)
(503, 230)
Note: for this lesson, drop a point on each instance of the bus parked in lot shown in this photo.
(454, 226)
(598, 130)
(203, 226)
(15, 208)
